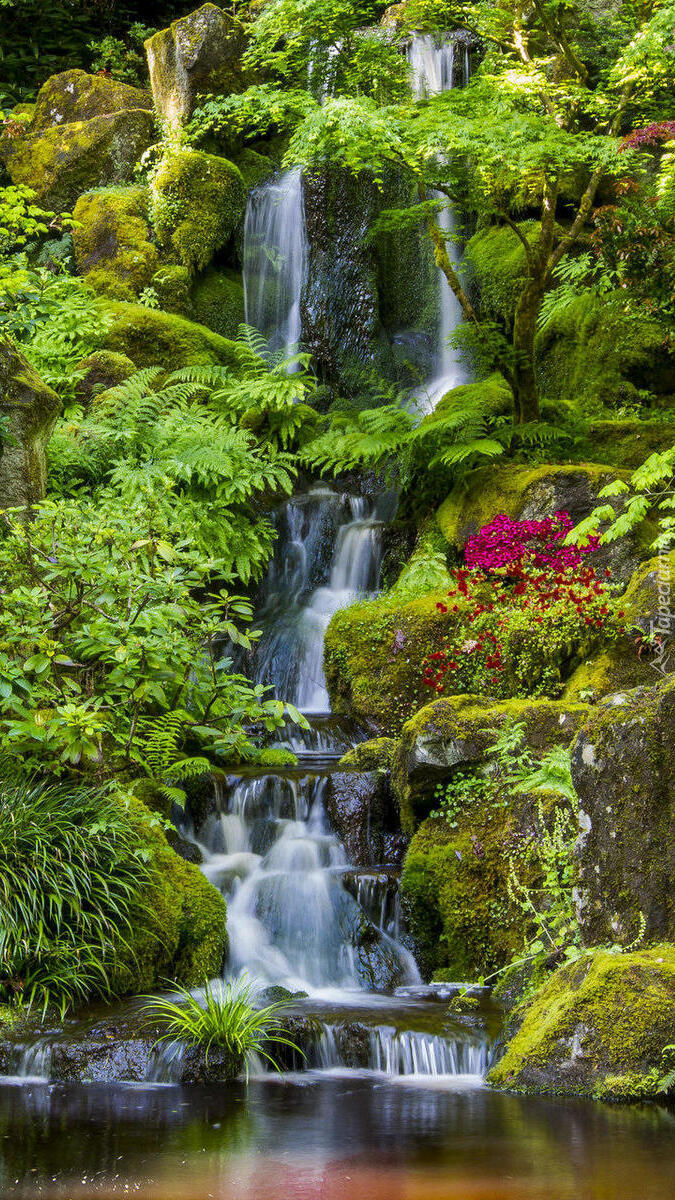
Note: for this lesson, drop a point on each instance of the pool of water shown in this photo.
(327, 1137)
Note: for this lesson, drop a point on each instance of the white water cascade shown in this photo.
(275, 260)
(329, 553)
(434, 66)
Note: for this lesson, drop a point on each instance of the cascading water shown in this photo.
(435, 68)
(275, 260)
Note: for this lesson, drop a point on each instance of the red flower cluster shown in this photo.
(515, 566)
(504, 542)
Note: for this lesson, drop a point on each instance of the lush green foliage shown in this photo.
(106, 627)
(649, 490)
(71, 872)
(224, 1015)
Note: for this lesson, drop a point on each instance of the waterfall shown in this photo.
(275, 260)
(290, 919)
(328, 554)
(434, 70)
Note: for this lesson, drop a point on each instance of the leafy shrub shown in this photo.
(71, 872)
(106, 626)
(224, 1015)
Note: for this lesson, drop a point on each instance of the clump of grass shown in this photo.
(224, 1015)
(71, 873)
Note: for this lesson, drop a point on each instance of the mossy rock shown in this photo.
(617, 670)
(218, 301)
(648, 604)
(198, 202)
(63, 159)
(112, 239)
(624, 774)
(496, 259)
(596, 1028)
(173, 285)
(374, 755)
(593, 356)
(99, 371)
(179, 932)
(255, 167)
(372, 658)
(150, 337)
(493, 393)
(628, 443)
(30, 408)
(532, 493)
(456, 731)
(76, 96)
(199, 53)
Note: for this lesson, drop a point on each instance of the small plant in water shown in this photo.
(223, 1015)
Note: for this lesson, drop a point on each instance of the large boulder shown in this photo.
(458, 730)
(360, 809)
(597, 1027)
(198, 202)
(28, 408)
(112, 240)
(86, 131)
(148, 336)
(199, 53)
(623, 768)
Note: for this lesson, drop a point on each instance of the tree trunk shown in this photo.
(525, 391)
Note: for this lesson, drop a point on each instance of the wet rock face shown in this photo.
(623, 766)
(360, 810)
(86, 132)
(197, 54)
(29, 408)
(340, 317)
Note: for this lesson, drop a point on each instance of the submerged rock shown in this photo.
(198, 54)
(597, 1028)
(29, 408)
(623, 766)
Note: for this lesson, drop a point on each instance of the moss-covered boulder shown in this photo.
(628, 443)
(618, 669)
(456, 732)
(254, 166)
(623, 768)
(496, 258)
(596, 1028)
(179, 932)
(374, 755)
(28, 409)
(532, 493)
(218, 301)
(99, 371)
(199, 53)
(649, 607)
(150, 337)
(76, 96)
(198, 201)
(112, 240)
(83, 134)
(591, 355)
(173, 285)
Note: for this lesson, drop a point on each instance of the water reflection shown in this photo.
(335, 1139)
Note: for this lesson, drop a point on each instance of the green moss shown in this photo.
(647, 597)
(617, 670)
(628, 443)
(496, 258)
(112, 241)
(218, 301)
(457, 730)
(74, 95)
(592, 355)
(493, 393)
(374, 755)
(198, 201)
(29, 407)
(179, 932)
(63, 161)
(148, 337)
(173, 285)
(597, 1027)
(255, 167)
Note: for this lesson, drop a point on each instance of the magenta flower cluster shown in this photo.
(505, 542)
